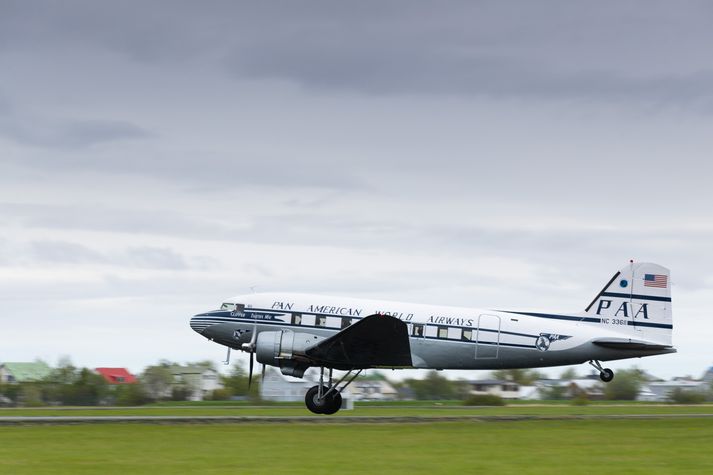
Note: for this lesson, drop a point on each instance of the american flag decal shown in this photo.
(655, 280)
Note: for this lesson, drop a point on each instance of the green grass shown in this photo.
(425, 409)
(532, 447)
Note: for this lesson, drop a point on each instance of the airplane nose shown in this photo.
(198, 324)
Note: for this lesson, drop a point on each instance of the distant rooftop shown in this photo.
(24, 372)
(116, 375)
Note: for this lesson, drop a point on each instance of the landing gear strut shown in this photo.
(605, 374)
(327, 399)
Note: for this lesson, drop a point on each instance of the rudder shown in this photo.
(637, 301)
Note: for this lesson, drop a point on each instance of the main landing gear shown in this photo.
(605, 374)
(327, 399)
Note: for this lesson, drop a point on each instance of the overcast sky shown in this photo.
(158, 157)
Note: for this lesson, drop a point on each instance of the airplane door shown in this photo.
(487, 337)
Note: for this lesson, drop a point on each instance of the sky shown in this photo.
(159, 157)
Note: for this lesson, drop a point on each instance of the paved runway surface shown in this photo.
(60, 420)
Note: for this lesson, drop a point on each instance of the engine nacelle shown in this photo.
(285, 349)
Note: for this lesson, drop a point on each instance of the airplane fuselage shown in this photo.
(440, 337)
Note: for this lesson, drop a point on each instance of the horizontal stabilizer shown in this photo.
(629, 344)
(376, 340)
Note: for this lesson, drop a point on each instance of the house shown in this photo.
(708, 376)
(661, 391)
(497, 387)
(198, 380)
(373, 387)
(116, 375)
(24, 372)
(591, 387)
(275, 386)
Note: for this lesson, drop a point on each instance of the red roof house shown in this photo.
(116, 375)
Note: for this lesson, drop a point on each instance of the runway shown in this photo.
(71, 420)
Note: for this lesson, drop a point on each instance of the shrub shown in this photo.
(180, 393)
(131, 395)
(580, 399)
(484, 400)
(220, 395)
(682, 396)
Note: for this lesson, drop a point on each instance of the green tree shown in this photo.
(11, 391)
(555, 392)
(31, 395)
(88, 389)
(432, 387)
(625, 385)
(65, 372)
(157, 381)
(237, 382)
(131, 395)
(569, 374)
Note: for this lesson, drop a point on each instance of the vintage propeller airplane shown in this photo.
(629, 318)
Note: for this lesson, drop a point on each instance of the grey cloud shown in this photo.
(156, 258)
(64, 252)
(200, 170)
(551, 49)
(65, 133)
(562, 247)
(57, 252)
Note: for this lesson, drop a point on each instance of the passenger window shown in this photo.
(417, 330)
(322, 321)
(346, 322)
(442, 332)
(296, 319)
(468, 335)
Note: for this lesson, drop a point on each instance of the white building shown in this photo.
(200, 380)
(373, 389)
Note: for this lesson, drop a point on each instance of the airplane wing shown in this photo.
(629, 344)
(376, 340)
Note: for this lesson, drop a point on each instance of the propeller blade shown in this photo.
(262, 376)
(250, 375)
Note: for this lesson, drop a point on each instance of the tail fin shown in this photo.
(637, 301)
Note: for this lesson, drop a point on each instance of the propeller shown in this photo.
(250, 373)
(250, 347)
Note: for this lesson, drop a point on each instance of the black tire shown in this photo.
(334, 403)
(312, 400)
(606, 375)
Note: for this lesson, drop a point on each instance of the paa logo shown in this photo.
(544, 341)
(238, 333)
(626, 309)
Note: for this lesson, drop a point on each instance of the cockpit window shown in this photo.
(228, 306)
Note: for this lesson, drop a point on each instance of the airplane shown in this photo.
(629, 318)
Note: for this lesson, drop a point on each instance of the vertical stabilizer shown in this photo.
(637, 302)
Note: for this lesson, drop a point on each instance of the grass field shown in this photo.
(532, 447)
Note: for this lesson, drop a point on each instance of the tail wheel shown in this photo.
(606, 375)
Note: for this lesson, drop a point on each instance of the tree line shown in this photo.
(75, 386)
(70, 385)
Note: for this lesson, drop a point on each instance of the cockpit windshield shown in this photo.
(228, 306)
